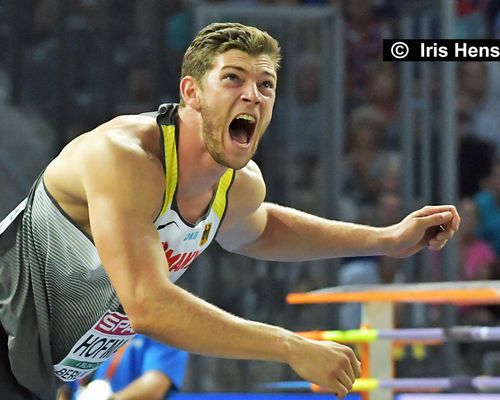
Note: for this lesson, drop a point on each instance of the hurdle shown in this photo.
(398, 384)
(408, 335)
(377, 315)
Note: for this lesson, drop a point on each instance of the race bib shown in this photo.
(100, 342)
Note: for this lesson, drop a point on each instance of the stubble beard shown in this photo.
(213, 144)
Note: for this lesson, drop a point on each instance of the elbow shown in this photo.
(142, 307)
(138, 317)
(138, 323)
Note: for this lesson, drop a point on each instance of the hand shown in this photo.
(327, 364)
(96, 390)
(431, 226)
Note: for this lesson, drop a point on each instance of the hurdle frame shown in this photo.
(377, 305)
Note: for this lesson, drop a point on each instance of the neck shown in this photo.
(198, 171)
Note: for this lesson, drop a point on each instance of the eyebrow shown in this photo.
(237, 67)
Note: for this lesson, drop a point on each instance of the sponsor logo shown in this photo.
(191, 236)
(100, 342)
(178, 261)
(160, 227)
(114, 324)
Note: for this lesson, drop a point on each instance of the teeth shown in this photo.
(247, 117)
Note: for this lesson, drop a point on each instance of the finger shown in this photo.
(355, 364)
(336, 387)
(452, 225)
(443, 235)
(354, 367)
(436, 244)
(349, 372)
(340, 390)
(346, 380)
(357, 370)
(437, 219)
(454, 211)
(429, 210)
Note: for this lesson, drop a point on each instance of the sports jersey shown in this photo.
(58, 308)
(143, 355)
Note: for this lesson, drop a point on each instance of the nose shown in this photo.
(251, 93)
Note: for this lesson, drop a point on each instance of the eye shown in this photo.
(267, 84)
(231, 77)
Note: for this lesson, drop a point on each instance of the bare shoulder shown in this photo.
(247, 193)
(121, 157)
(123, 136)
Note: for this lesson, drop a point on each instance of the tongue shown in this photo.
(239, 135)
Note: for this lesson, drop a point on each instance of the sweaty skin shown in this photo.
(115, 192)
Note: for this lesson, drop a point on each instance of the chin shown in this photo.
(228, 163)
(231, 161)
(240, 165)
(236, 165)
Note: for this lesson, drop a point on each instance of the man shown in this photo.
(90, 258)
(488, 205)
(144, 369)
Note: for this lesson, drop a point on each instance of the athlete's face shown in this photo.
(237, 99)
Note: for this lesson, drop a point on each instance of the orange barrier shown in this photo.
(461, 293)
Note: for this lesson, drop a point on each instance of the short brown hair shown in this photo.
(218, 38)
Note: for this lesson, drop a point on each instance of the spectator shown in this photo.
(471, 19)
(478, 98)
(475, 155)
(369, 167)
(488, 203)
(306, 119)
(382, 93)
(145, 369)
(476, 255)
(364, 34)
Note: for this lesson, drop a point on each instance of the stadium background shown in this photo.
(352, 138)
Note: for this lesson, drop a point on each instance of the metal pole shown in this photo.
(338, 116)
(335, 170)
(407, 143)
(426, 137)
(448, 181)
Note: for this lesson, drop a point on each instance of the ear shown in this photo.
(189, 92)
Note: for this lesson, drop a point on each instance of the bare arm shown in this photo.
(272, 232)
(122, 205)
(152, 385)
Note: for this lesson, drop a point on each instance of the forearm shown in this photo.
(292, 235)
(153, 385)
(172, 315)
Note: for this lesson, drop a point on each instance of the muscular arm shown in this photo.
(286, 234)
(273, 232)
(122, 205)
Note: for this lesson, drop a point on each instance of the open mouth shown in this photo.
(241, 128)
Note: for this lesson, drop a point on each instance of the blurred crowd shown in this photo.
(124, 56)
